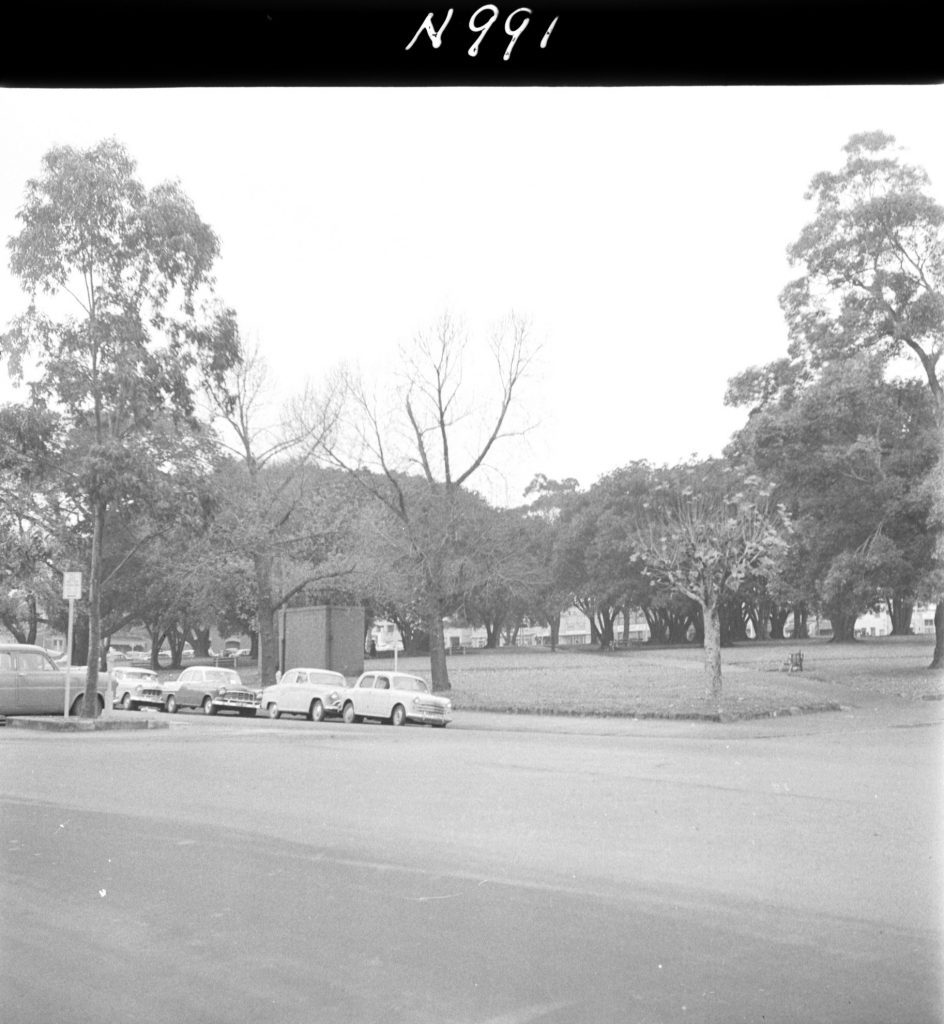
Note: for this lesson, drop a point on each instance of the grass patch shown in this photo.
(669, 682)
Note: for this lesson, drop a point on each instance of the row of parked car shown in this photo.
(395, 697)
(32, 683)
(138, 654)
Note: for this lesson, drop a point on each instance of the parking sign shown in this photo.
(71, 585)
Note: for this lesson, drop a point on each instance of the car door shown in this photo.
(190, 682)
(9, 689)
(292, 691)
(362, 694)
(40, 685)
(382, 700)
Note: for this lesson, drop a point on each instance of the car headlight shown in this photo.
(334, 696)
(416, 701)
(222, 691)
(139, 689)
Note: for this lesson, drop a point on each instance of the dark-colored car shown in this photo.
(31, 683)
(212, 690)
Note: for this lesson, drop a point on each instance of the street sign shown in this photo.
(71, 591)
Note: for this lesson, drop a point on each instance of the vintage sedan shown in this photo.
(32, 684)
(395, 697)
(135, 688)
(313, 692)
(212, 690)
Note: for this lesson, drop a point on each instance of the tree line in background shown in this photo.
(150, 455)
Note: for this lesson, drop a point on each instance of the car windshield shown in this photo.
(134, 673)
(410, 683)
(223, 677)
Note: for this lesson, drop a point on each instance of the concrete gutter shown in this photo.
(56, 723)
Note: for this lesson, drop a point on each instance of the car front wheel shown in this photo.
(398, 715)
(208, 708)
(126, 702)
(348, 714)
(273, 710)
(316, 712)
(170, 705)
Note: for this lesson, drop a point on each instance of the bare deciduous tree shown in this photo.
(440, 422)
(272, 520)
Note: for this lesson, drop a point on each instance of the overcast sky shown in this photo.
(641, 231)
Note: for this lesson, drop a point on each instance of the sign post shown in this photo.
(71, 589)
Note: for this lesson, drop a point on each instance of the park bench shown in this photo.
(791, 663)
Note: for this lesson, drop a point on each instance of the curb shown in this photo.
(725, 715)
(59, 724)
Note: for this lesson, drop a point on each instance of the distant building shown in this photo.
(575, 630)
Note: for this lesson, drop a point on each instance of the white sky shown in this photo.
(642, 231)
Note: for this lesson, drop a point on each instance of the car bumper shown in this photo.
(428, 717)
(235, 705)
(153, 700)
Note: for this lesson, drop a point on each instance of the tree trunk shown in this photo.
(937, 660)
(200, 641)
(712, 619)
(176, 639)
(778, 619)
(843, 621)
(90, 704)
(605, 628)
(900, 610)
(492, 629)
(157, 639)
(437, 650)
(265, 619)
(801, 629)
(33, 619)
(554, 621)
(654, 622)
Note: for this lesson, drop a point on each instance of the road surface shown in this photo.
(502, 871)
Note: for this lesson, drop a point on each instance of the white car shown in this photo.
(136, 687)
(395, 697)
(313, 692)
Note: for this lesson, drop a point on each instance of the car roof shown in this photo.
(394, 675)
(23, 647)
(324, 671)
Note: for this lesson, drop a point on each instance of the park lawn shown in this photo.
(669, 682)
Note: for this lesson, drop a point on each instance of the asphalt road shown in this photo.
(502, 871)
